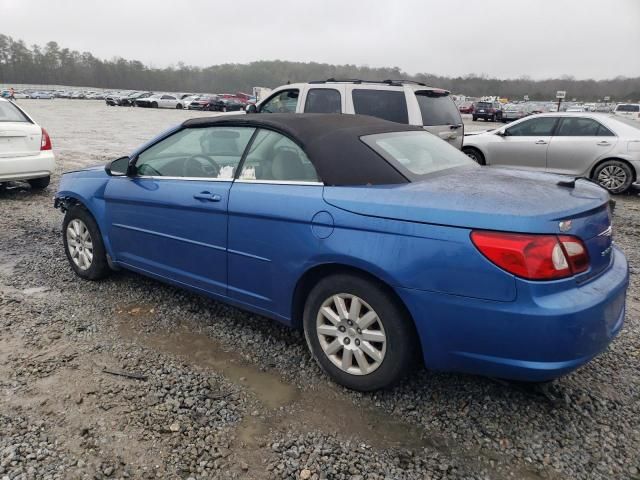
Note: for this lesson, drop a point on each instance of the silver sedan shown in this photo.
(601, 147)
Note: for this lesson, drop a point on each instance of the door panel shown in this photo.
(575, 155)
(524, 144)
(171, 227)
(525, 152)
(577, 143)
(270, 239)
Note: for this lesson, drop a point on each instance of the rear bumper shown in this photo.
(544, 334)
(26, 168)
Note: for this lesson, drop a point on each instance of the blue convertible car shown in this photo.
(386, 245)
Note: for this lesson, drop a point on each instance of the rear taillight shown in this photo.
(45, 143)
(534, 257)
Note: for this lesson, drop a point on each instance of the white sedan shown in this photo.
(25, 148)
(601, 147)
(160, 100)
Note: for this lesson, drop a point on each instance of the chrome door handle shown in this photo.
(603, 143)
(541, 142)
(208, 196)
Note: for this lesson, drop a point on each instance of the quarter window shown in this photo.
(582, 127)
(386, 104)
(283, 102)
(273, 156)
(323, 100)
(535, 127)
(213, 152)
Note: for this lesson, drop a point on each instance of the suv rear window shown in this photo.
(484, 105)
(437, 109)
(10, 113)
(386, 104)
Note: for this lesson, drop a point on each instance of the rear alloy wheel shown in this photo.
(474, 154)
(154, 105)
(39, 183)
(614, 175)
(357, 333)
(83, 244)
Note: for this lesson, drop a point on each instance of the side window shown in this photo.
(323, 100)
(535, 127)
(283, 102)
(167, 97)
(386, 104)
(212, 152)
(580, 127)
(273, 156)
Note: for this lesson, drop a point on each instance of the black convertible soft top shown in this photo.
(331, 141)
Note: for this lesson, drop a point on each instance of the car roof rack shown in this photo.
(395, 83)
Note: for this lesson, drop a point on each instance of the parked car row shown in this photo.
(494, 110)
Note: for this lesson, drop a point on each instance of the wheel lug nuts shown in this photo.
(359, 331)
(342, 329)
(350, 322)
(357, 342)
(347, 341)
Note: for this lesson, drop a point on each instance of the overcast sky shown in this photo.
(502, 38)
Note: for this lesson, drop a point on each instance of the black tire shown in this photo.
(401, 339)
(154, 105)
(475, 154)
(178, 107)
(99, 267)
(474, 118)
(618, 166)
(39, 183)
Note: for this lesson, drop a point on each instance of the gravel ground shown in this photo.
(130, 378)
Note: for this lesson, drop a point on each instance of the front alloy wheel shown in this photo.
(83, 244)
(351, 334)
(79, 244)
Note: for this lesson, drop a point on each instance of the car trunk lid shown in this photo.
(19, 139)
(490, 198)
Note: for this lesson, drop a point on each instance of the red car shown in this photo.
(466, 107)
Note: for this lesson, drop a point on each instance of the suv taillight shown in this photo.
(45, 142)
(534, 257)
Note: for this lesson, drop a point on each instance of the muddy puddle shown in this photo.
(286, 405)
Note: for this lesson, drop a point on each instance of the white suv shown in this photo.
(25, 148)
(396, 100)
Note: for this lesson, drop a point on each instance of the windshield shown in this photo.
(10, 113)
(417, 153)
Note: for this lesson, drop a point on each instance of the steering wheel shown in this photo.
(200, 166)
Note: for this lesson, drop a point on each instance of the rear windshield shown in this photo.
(386, 104)
(628, 108)
(10, 113)
(484, 104)
(417, 153)
(437, 109)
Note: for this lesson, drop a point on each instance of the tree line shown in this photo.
(53, 65)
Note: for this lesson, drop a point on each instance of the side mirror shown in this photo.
(502, 133)
(251, 108)
(118, 167)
